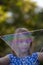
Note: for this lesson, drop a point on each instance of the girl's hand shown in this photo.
(40, 56)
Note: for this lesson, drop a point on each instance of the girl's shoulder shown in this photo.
(11, 56)
(34, 57)
(35, 54)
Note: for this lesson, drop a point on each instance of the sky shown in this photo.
(39, 3)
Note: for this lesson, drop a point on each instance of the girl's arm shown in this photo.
(4, 60)
(40, 56)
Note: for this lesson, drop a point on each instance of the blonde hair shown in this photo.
(19, 30)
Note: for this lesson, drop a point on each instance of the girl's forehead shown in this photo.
(23, 35)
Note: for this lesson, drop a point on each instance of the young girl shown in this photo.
(22, 50)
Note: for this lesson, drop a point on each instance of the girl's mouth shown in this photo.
(24, 48)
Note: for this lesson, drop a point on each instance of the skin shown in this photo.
(23, 48)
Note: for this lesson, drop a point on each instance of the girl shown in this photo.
(22, 45)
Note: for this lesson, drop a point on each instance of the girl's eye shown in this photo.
(28, 40)
(21, 41)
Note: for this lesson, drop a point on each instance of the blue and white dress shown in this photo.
(28, 60)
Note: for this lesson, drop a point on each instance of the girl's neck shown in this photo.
(20, 54)
(23, 54)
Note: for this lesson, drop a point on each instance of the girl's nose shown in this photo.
(24, 43)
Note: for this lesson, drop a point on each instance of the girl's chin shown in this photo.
(23, 50)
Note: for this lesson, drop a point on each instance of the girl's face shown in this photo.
(23, 43)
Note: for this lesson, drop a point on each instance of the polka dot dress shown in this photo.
(28, 60)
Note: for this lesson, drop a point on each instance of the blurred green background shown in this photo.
(20, 13)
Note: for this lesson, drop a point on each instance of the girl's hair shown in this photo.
(20, 30)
